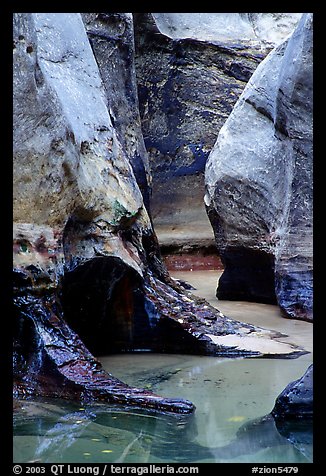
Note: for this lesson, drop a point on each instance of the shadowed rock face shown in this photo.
(88, 277)
(259, 182)
(296, 400)
(191, 69)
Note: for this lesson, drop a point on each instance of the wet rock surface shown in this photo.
(88, 275)
(259, 182)
(75, 198)
(296, 400)
(61, 366)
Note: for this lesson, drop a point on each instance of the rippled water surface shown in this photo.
(232, 398)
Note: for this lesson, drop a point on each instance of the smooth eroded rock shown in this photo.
(233, 28)
(259, 182)
(296, 400)
(191, 69)
(88, 275)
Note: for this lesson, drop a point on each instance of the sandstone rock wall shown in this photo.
(259, 182)
(191, 69)
(111, 36)
(88, 277)
(75, 198)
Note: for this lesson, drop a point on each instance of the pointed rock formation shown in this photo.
(296, 400)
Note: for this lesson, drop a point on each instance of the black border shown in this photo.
(7, 219)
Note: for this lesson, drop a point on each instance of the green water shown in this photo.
(231, 396)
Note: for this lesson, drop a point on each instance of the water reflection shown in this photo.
(231, 396)
(99, 433)
(264, 433)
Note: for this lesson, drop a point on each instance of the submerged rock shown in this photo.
(88, 276)
(259, 183)
(174, 436)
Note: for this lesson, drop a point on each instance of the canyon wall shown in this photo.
(88, 275)
(191, 68)
(259, 182)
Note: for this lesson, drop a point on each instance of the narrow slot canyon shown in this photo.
(162, 237)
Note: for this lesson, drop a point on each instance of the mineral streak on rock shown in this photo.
(111, 38)
(75, 197)
(88, 276)
(259, 182)
(191, 69)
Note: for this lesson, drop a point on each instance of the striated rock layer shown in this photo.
(191, 69)
(88, 276)
(259, 183)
